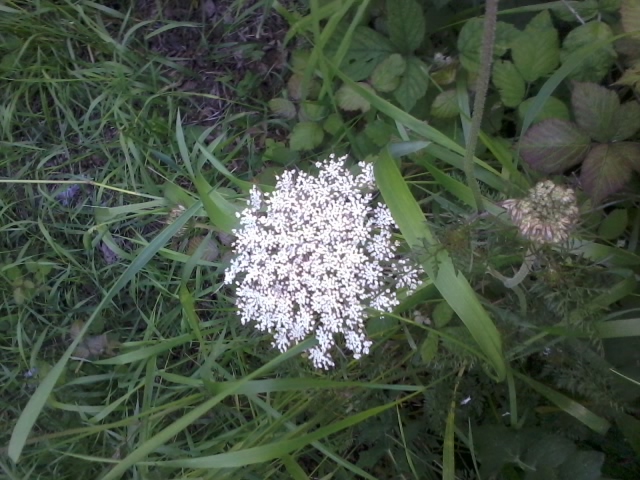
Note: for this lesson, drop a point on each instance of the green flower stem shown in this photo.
(482, 85)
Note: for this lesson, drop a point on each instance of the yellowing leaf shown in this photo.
(351, 101)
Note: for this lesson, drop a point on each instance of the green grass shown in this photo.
(190, 391)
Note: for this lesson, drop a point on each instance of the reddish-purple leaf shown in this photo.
(595, 109)
(554, 145)
(607, 168)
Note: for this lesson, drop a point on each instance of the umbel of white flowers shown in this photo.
(312, 256)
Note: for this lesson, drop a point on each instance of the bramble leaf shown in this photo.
(470, 42)
(627, 121)
(368, 48)
(406, 24)
(305, 136)
(536, 51)
(630, 17)
(283, 108)
(351, 101)
(508, 82)
(600, 61)
(445, 105)
(554, 145)
(386, 76)
(413, 84)
(595, 109)
(552, 108)
(607, 169)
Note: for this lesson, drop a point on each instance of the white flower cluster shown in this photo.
(313, 255)
(548, 214)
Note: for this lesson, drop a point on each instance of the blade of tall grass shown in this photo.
(453, 286)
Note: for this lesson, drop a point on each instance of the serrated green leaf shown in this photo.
(552, 108)
(536, 51)
(470, 42)
(379, 132)
(554, 145)
(406, 24)
(413, 84)
(306, 136)
(508, 82)
(614, 224)
(630, 17)
(595, 109)
(311, 112)
(368, 48)
(445, 105)
(607, 168)
(351, 101)
(386, 76)
(627, 121)
(599, 62)
(579, 12)
(429, 348)
(283, 108)
(333, 124)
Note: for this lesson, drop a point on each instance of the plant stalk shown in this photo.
(482, 85)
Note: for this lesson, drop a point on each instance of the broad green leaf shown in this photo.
(627, 121)
(614, 224)
(413, 84)
(386, 76)
(470, 42)
(453, 286)
(379, 132)
(536, 51)
(442, 314)
(306, 136)
(552, 108)
(351, 101)
(554, 145)
(508, 82)
(595, 109)
(283, 108)
(573, 408)
(445, 105)
(406, 24)
(311, 111)
(579, 12)
(368, 48)
(429, 348)
(599, 62)
(607, 168)
(630, 17)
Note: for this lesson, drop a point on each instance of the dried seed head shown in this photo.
(547, 215)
